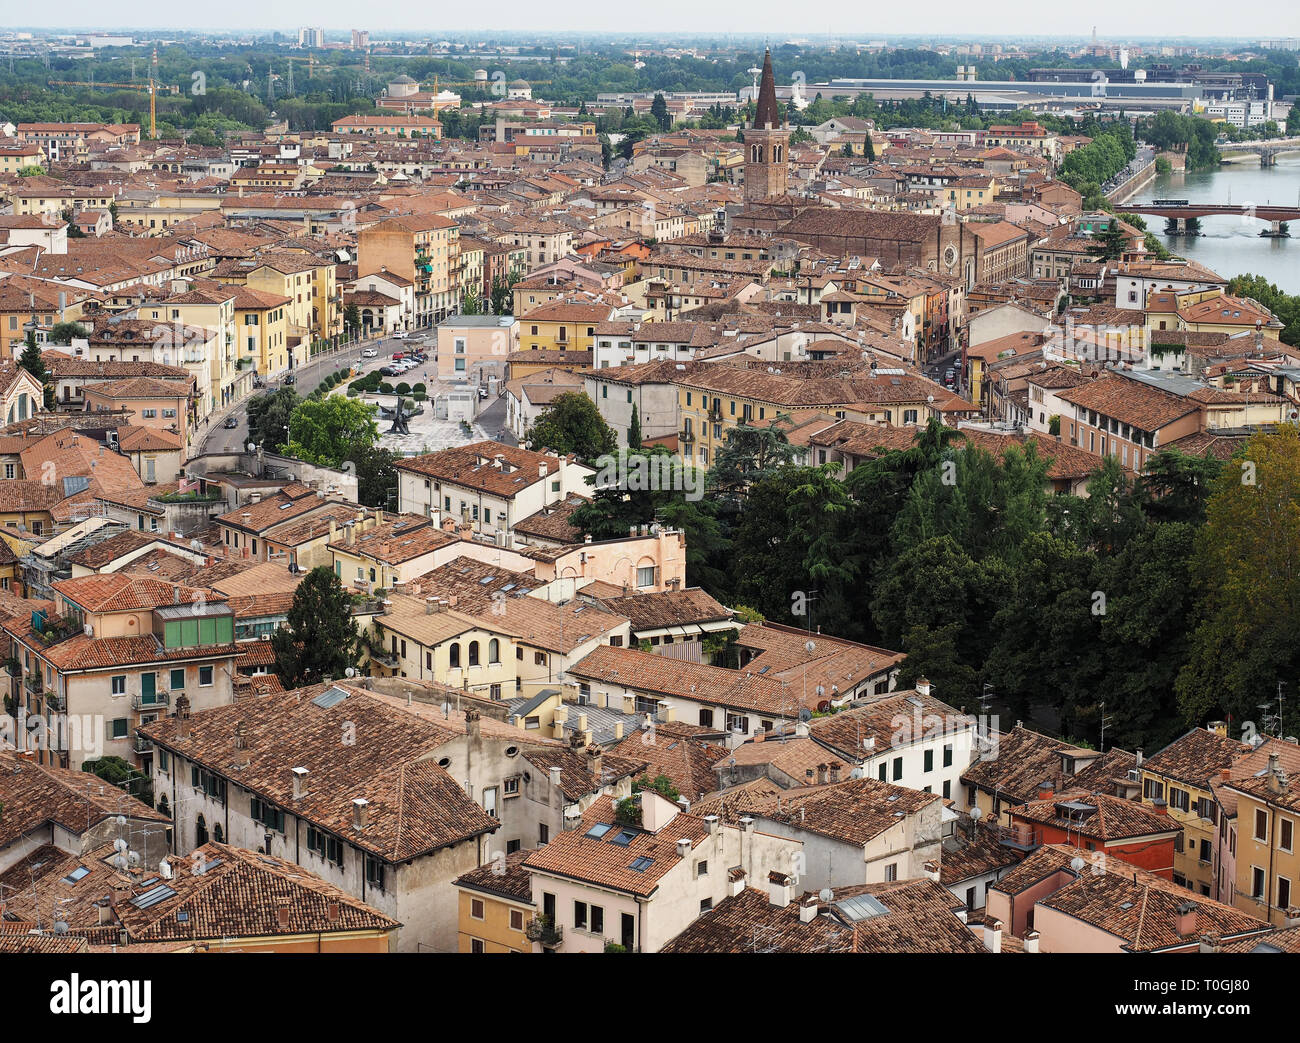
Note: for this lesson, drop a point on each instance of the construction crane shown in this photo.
(153, 87)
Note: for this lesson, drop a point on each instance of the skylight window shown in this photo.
(599, 830)
(76, 875)
(640, 865)
(623, 838)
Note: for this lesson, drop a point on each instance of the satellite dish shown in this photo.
(805, 714)
(121, 820)
(252, 447)
(810, 646)
(134, 858)
(1077, 864)
(61, 927)
(119, 844)
(976, 813)
(826, 894)
(821, 690)
(857, 773)
(351, 671)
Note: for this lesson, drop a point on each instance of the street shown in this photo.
(221, 439)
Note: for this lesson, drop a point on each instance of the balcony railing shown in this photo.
(159, 700)
(34, 684)
(543, 929)
(686, 435)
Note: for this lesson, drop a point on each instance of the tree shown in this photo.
(329, 431)
(750, 454)
(634, 429)
(268, 417)
(1247, 585)
(659, 110)
(31, 360)
(352, 317)
(319, 637)
(376, 474)
(118, 772)
(1110, 244)
(572, 424)
(67, 332)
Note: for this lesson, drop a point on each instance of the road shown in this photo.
(221, 439)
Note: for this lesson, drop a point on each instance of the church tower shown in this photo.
(766, 142)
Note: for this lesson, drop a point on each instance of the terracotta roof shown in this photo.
(414, 806)
(915, 916)
(1196, 757)
(37, 796)
(515, 884)
(1110, 818)
(679, 751)
(473, 467)
(599, 860)
(1135, 906)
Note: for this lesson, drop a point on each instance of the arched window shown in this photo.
(454, 656)
(776, 153)
(756, 154)
(494, 651)
(164, 808)
(217, 834)
(473, 653)
(200, 832)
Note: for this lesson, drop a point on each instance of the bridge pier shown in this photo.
(1181, 224)
(1267, 158)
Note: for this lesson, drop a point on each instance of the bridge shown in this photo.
(1182, 212)
(1267, 150)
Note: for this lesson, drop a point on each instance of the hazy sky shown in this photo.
(1116, 20)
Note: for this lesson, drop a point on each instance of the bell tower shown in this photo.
(766, 142)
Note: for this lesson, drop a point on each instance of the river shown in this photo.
(1232, 245)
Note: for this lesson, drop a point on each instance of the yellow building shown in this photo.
(1267, 858)
(495, 906)
(14, 158)
(210, 306)
(262, 324)
(1179, 778)
(562, 325)
(314, 307)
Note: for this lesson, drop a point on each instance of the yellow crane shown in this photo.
(152, 87)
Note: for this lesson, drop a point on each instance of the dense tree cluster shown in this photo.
(966, 562)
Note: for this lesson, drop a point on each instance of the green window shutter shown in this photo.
(225, 629)
(178, 679)
(207, 631)
(189, 633)
(172, 634)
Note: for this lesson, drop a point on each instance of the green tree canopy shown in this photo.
(572, 424)
(329, 431)
(319, 637)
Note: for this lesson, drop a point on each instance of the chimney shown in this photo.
(683, 848)
(993, 935)
(1160, 805)
(922, 686)
(595, 759)
(359, 813)
(1292, 917)
(240, 742)
(713, 824)
(931, 869)
(778, 889)
(473, 726)
(430, 606)
(1031, 941)
(1276, 780)
(1185, 920)
(746, 825)
(300, 783)
(332, 912)
(1046, 789)
(735, 881)
(835, 772)
(282, 913)
(801, 730)
(821, 774)
(808, 909)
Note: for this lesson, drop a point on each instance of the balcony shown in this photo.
(159, 700)
(34, 685)
(542, 929)
(686, 435)
(139, 744)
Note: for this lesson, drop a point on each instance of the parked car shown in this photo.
(482, 391)
(399, 335)
(391, 371)
(289, 378)
(397, 356)
(231, 421)
(370, 353)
